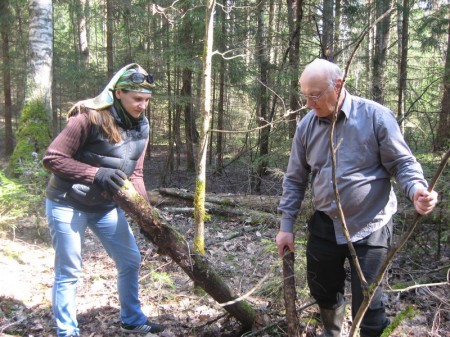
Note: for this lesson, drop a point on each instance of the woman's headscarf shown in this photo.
(121, 80)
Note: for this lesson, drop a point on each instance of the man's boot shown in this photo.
(332, 320)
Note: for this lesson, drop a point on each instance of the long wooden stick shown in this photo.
(390, 256)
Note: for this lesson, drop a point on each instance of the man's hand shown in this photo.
(111, 180)
(424, 201)
(285, 239)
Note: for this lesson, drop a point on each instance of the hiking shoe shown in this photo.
(143, 328)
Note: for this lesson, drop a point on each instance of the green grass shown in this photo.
(22, 197)
(13, 200)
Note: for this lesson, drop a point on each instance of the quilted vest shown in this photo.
(98, 151)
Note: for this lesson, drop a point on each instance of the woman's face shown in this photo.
(133, 102)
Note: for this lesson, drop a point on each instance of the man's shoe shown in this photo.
(144, 328)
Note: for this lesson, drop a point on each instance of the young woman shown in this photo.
(103, 143)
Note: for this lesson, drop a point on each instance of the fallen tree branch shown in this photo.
(246, 215)
(263, 203)
(233, 235)
(9, 325)
(171, 243)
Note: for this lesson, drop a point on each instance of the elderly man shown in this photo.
(370, 150)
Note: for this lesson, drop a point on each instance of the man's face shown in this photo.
(320, 94)
(133, 102)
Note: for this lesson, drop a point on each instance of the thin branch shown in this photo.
(212, 321)
(243, 297)
(7, 326)
(417, 286)
(216, 52)
(271, 124)
(270, 326)
(418, 98)
(366, 291)
(390, 256)
(333, 157)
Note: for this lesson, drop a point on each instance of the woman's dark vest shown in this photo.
(98, 151)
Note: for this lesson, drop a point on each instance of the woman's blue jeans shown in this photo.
(67, 229)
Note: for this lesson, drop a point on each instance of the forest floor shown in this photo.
(246, 262)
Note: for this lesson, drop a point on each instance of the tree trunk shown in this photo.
(83, 31)
(221, 103)
(109, 37)
(327, 41)
(171, 243)
(125, 10)
(5, 24)
(337, 30)
(168, 167)
(403, 52)
(189, 121)
(369, 51)
(295, 15)
(177, 118)
(380, 51)
(263, 62)
(39, 85)
(200, 180)
(443, 132)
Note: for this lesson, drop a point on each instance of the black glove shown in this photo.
(111, 180)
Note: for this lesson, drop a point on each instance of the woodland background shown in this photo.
(55, 53)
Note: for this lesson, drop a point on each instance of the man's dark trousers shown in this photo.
(326, 272)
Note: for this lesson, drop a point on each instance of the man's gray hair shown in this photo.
(330, 69)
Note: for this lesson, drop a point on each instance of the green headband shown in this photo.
(136, 80)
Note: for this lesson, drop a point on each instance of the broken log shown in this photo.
(264, 203)
(245, 215)
(171, 243)
(256, 208)
(290, 293)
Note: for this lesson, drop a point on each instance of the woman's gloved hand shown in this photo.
(111, 180)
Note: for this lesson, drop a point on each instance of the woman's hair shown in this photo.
(103, 119)
(106, 124)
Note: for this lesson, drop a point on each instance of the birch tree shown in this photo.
(34, 133)
(40, 76)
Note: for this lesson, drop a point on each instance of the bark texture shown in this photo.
(290, 293)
